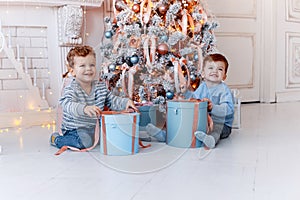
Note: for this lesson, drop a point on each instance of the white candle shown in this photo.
(26, 64)
(34, 77)
(18, 52)
(9, 41)
(43, 91)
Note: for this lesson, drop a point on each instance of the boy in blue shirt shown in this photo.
(214, 72)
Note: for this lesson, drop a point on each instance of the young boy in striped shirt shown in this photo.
(83, 100)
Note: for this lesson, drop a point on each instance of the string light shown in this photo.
(21, 140)
(18, 122)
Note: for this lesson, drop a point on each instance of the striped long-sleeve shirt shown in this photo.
(75, 99)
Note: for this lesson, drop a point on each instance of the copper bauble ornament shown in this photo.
(163, 9)
(119, 5)
(136, 8)
(162, 48)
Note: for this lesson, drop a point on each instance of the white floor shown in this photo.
(259, 161)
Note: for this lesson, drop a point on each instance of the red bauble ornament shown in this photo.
(136, 8)
(162, 49)
(163, 9)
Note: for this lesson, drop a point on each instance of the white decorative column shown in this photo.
(70, 19)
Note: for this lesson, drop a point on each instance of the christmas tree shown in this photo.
(153, 49)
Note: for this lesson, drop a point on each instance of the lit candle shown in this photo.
(9, 40)
(18, 52)
(34, 77)
(43, 91)
(26, 64)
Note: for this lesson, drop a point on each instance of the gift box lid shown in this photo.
(146, 108)
(121, 118)
(186, 104)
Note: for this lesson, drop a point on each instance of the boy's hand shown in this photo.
(209, 104)
(92, 111)
(130, 104)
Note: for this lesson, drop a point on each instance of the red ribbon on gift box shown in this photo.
(97, 135)
(196, 118)
(132, 137)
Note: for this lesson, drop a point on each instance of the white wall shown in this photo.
(26, 18)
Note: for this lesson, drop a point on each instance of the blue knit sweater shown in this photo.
(222, 99)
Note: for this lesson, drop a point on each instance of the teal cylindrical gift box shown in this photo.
(151, 114)
(119, 134)
(183, 119)
(147, 115)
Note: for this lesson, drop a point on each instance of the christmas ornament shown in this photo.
(193, 77)
(196, 57)
(162, 49)
(120, 60)
(119, 5)
(164, 38)
(112, 67)
(128, 62)
(169, 95)
(134, 59)
(163, 9)
(108, 34)
(136, 8)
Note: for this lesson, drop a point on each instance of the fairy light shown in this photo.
(21, 140)
(31, 106)
(18, 122)
(4, 130)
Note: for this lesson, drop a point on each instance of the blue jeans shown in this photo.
(220, 131)
(79, 138)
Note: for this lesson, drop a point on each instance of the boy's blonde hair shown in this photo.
(82, 51)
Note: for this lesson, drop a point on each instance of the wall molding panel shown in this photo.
(293, 60)
(293, 10)
(246, 42)
(247, 8)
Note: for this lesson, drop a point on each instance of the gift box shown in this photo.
(151, 114)
(119, 134)
(183, 119)
(237, 114)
